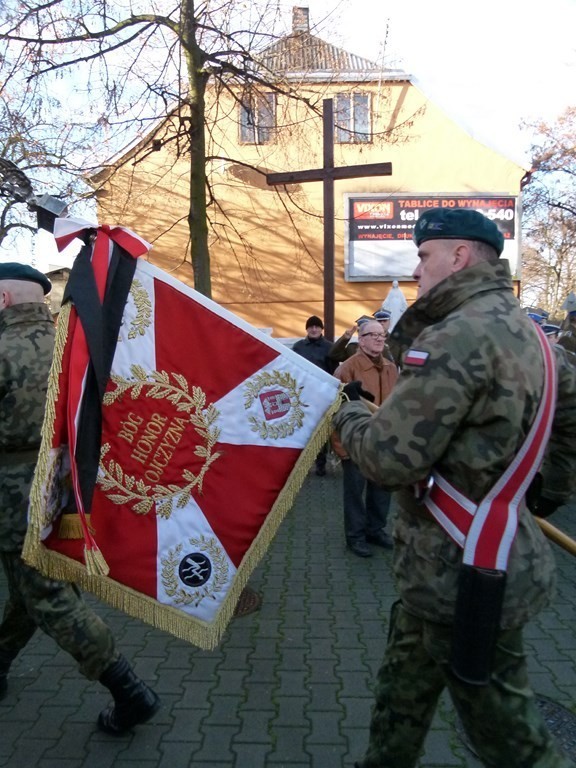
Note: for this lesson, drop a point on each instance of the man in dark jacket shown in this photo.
(316, 348)
(26, 346)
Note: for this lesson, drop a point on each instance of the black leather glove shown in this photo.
(538, 504)
(354, 391)
(546, 507)
(533, 493)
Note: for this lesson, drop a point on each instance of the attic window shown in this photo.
(258, 118)
(353, 118)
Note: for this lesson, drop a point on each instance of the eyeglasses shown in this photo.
(378, 336)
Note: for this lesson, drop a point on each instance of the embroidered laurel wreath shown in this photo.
(170, 569)
(122, 488)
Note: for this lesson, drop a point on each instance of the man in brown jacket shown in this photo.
(365, 504)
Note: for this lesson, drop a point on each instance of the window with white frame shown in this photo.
(353, 118)
(258, 118)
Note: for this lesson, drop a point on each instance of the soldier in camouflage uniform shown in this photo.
(26, 346)
(468, 392)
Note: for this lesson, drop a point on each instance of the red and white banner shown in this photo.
(208, 429)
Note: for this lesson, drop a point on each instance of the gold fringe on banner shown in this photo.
(205, 635)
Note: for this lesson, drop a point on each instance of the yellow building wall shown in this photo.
(266, 244)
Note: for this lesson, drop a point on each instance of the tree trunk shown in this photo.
(197, 217)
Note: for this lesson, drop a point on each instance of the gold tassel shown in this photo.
(95, 563)
(71, 526)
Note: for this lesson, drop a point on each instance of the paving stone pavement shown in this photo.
(289, 686)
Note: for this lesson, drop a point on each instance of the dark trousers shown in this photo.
(58, 609)
(365, 504)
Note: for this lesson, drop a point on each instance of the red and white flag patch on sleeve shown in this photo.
(416, 357)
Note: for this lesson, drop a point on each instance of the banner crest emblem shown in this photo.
(280, 401)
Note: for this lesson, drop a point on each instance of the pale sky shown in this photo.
(489, 64)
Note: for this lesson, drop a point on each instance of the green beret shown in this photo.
(12, 270)
(444, 224)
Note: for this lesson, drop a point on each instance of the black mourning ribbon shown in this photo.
(101, 324)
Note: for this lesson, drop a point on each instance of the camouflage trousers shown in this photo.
(501, 719)
(58, 609)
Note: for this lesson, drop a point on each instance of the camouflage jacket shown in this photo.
(26, 345)
(464, 412)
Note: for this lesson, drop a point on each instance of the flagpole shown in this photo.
(557, 536)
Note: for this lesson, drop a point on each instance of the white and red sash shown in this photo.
(486, 531)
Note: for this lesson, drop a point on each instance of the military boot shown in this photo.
(134, 701)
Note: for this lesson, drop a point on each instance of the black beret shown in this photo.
(314, 320)
(444, 224)
(12, 270)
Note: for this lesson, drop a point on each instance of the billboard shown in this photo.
(379, 242)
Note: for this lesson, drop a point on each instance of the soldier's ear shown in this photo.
(4, 299)
(462, 257)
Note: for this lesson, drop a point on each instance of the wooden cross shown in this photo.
(328, 174)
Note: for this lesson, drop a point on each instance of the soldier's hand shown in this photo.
(546, 507)
(354, 391)
(533, 492)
